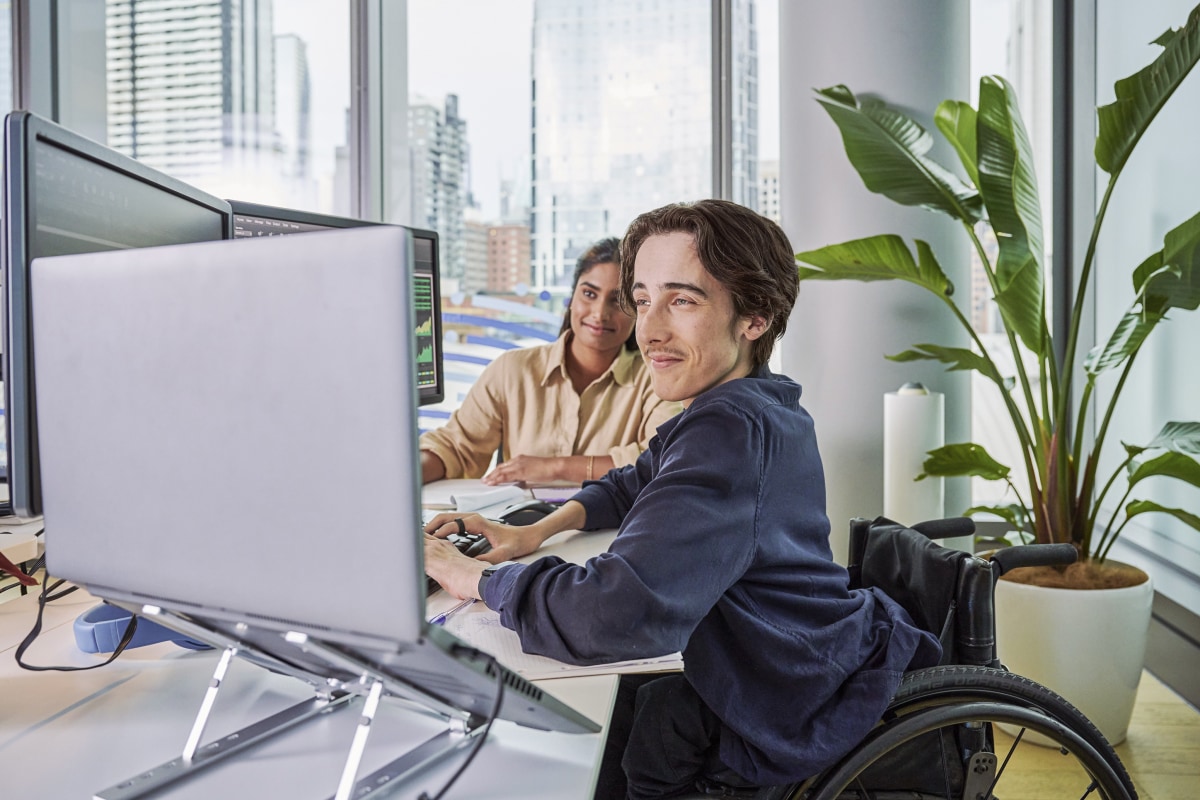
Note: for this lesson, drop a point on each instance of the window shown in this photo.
(1156, 192)
(246, 99)
(550, 124)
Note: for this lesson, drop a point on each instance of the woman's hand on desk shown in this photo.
(528, 469)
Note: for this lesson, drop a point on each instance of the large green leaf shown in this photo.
(1175, 283)
(1009, 188)
(1128, 336)
(890, 151)
(1146, 506)
(956, 120)
(1179, 437)
(1141, 95)
(1182, 437)
(958, 358)
(968, 458)
(876, 258)
(1168, 465)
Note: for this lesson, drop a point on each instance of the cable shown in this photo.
(48, 594)
(487, 727)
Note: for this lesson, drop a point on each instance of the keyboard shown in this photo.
(470, 544)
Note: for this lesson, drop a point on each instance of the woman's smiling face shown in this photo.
(597, 319)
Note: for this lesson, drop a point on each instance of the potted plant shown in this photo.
(1049, 398)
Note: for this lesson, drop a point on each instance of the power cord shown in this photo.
(487, 726)
(49, 594)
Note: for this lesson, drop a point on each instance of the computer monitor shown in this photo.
(65, 194)
(254, 220)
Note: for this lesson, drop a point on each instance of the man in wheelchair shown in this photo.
(723, 544)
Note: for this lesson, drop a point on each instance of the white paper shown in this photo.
(499, 495)
(481, 626)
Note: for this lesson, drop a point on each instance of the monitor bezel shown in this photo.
(426, 396)
(22, 131)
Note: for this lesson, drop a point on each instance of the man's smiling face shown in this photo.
(688, 332)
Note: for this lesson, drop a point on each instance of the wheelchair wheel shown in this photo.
(940, 738)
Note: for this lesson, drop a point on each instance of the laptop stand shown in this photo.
(329, 696)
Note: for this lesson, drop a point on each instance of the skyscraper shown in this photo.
(768, 189)
(622, 118)
(440, 176)
(191, 83)
(293, 104)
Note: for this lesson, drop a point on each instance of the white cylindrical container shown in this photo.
(914, 422)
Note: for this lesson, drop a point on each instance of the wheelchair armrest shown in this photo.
(1033, 555)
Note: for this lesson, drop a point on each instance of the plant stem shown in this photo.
(1103, 554)
(1089, 478)
(1016, 493)
(1077, 314)
(1031, 436)
(1108, 527)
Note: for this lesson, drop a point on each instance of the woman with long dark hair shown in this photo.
(570, 410)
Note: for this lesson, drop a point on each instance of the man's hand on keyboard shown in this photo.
(508, 541)
(458, 574)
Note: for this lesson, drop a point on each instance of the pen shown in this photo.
(441, 618)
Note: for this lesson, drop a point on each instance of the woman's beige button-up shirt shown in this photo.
(525, 399)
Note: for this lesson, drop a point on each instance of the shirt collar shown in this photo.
(623, 368)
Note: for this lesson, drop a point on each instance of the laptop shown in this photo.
(228, 433)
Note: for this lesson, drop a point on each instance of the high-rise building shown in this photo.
(293, 104)
(440, 176)
(768, 189)
(622, 118)
(507, 257)
(475, 255)
(191, 87)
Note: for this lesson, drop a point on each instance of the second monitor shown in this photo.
(252, 220)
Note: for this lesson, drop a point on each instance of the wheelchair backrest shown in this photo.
(946, 592)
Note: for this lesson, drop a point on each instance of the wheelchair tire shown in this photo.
(936, 714)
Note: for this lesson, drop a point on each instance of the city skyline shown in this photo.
(490, 75)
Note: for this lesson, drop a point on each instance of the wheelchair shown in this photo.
(959, 730)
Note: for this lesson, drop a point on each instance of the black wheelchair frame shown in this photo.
(956, 731)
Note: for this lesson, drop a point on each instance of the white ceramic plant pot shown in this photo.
(1088, 645)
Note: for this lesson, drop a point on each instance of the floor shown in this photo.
(1161, 752)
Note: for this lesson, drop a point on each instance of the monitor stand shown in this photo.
(460, 730)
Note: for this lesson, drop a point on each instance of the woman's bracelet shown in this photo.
(591, 465)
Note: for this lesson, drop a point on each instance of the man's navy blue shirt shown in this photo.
(723, 554)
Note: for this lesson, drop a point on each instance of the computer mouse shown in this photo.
(526, 512)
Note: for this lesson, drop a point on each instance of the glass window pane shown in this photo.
(537, 127)
(246, 100)
(1156, 193)
(6, 102)
(6, 56)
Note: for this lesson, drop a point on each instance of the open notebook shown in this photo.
(270, 380)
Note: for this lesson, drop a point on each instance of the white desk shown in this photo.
(70, 734)
(19, 541)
